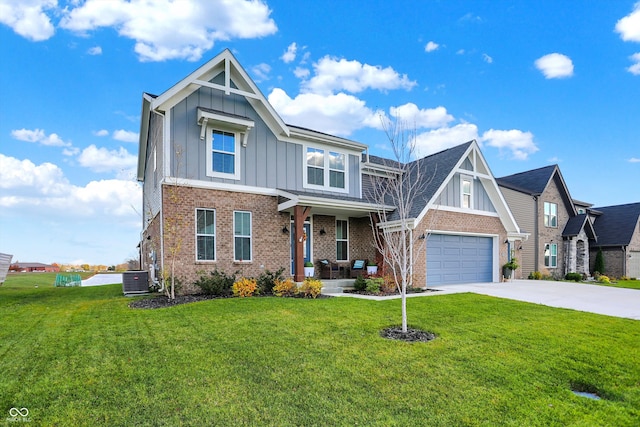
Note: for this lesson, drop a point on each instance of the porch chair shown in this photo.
(329, 270)
(358, 268)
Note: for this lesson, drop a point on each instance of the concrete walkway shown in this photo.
(607, 300)
(103, 279)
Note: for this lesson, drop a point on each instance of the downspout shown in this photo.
(624, 260)
(536, 256)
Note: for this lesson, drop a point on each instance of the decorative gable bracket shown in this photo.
(224, 121)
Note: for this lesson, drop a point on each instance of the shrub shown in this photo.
(599, 264)
(388, 284)
(267, 280)
(535, 275)
(244, 287)
(311, 287)
(360, 284)
(285, 288)
(576, 277)
(374, 284)
(217, 283)
(624, 278)
(603, 279)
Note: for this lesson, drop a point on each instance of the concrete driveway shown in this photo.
(607, 300)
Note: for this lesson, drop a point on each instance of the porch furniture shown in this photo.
(329, 270)
(358, 268)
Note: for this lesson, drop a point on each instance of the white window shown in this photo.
(550, 214)
(551, 255)
(466, 185)
(342, 240)
(205, 234)
(242, 236)
(223, 154)
(325, 170)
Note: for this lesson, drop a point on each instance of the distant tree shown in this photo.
(599, 265)
(132, 264)
(85, 267)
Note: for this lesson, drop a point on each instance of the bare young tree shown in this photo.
(403, 187)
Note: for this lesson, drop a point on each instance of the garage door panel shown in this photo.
(459, 259)
(634, 264)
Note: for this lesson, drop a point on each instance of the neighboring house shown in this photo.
(618, 230)
(31, 267)
(5, 263)
(559, 225)
(228, 185)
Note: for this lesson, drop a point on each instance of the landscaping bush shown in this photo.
(599, 263)
(244, 287)
(360, 284)
(535, 275)
(217, 283)
(576, 277)
(311, 287)
(603, 279)
(285, 288)
(267, 280)
(374, 284)
(388, 284)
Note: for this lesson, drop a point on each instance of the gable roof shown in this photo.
(436, 170)
(532, 182)
(576, 224)
(616, 225)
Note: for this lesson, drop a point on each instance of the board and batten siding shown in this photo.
(265, 162)
(153, 170)
(523, 208)
(450, 196)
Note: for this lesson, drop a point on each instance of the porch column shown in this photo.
(300, 213)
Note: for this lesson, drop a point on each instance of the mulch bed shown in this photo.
(387, 294)
(162, 301)
(412, 335)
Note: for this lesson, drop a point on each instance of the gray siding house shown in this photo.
(228, 185)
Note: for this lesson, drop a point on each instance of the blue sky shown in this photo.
(535, 82)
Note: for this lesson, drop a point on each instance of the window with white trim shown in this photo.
(205, 234)
(325, 169)
(466, 186)
(223, 154)
(551, 255)
(550, 214)
(342, 240)
(242, 236)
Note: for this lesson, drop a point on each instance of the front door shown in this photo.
(306, 245)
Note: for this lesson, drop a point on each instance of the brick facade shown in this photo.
(552, 235)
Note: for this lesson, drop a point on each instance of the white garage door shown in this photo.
(634, 264)
(455, 259)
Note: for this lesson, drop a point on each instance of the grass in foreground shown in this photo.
(80, 356)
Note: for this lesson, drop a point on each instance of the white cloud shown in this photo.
(96, 50)
(39, 136)
(333, 74)
(301, 73)
(555, 65)
(519, 143)
(412, 116)
(487, 58)
(446, 137)
(338, 114)
(125, 135)
(28, 18)
(101, 132)
(629, 26)
(165, 29)
(635, 67)
(261, 72)
(634, 160)
(431, 46)
(104, 160)
(290, 54)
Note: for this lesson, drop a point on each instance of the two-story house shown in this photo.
(228, 185)
(559, 225)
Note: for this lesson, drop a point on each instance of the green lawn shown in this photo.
(631, 284)
(31, 280)
(80, 356)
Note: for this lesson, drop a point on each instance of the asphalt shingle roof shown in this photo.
(532, 182)
(616, 225)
